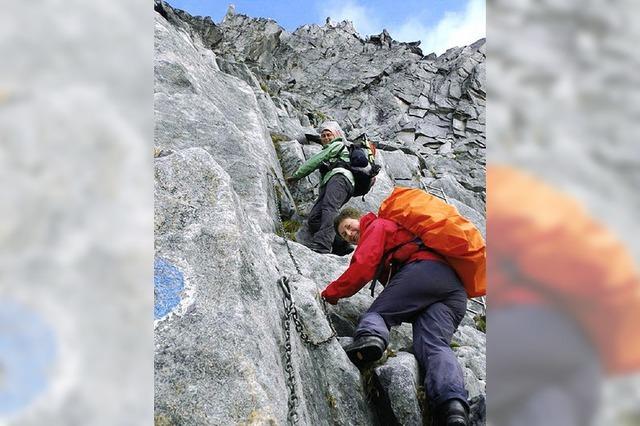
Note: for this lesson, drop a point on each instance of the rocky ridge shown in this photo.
(233, 102)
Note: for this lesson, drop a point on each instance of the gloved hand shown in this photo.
(329, 299)
(290, 179)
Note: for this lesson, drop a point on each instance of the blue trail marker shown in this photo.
(168, 286)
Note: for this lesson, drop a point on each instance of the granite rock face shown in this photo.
(218, 353)
(233, 103)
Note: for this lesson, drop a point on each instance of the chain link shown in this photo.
(280, 225)
(291, 314)
(288, 367)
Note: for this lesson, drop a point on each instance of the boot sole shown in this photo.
(455, 420)
(364, 355)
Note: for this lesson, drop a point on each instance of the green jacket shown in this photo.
(329, 153)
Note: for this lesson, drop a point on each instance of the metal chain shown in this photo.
(291, 314)
(280, 225)
(288, 367)
(287, 291)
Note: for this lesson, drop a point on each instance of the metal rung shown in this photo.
(436, 192)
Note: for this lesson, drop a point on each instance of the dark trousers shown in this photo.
(541, 369)
(429, 295)
(333, 195)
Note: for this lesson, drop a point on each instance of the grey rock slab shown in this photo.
(269, 111)
(399, 377)
(455, 90)
(472, 384)
(422, 102)
(475, 126)
(479, 78)
(417, 112)
(291, 126)
(330, 384)
(239, 70)
(424, 140)
(470, 336)
(202, 346)
(469, 173)
(468, 110)
(291, 156)
(444, 103)
(470, 357)
(431, 129)
(406, 137)
(382, 188)
(457, 191)
(217, 112)
(196, 26)
(401, 166)
(401, 338)
(446, 148)
(458, 124)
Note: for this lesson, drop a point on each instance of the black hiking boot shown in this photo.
(340, 247)
(365, 349)
(343, 250)
(453, 413)
(318, 249)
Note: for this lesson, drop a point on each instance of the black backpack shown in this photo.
(362, 164)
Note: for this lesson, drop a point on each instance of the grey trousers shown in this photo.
(429, 295)
(333, 195)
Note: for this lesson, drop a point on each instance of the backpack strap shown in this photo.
(335, 161)
(381, 265)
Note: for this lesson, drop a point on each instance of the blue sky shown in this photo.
(439, 24)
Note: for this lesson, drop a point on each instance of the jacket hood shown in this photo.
(366, 220)
(334, 127)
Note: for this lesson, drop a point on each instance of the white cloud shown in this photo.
(454, 29)
(365, 21)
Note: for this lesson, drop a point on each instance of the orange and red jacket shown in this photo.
(378, 238)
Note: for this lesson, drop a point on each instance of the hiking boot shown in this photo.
(340, 247)
(343, 250)
(365, 349)
(318, 249)
(321, 250)
(453, 413)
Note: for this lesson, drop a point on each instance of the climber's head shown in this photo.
(326, 136)
(329, 130)
(347, 225)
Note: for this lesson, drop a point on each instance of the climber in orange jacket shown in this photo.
(421, 289)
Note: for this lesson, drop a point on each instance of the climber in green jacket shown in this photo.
(336, 187)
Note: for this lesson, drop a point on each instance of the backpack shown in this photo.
(362, 164)
(442, 229)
